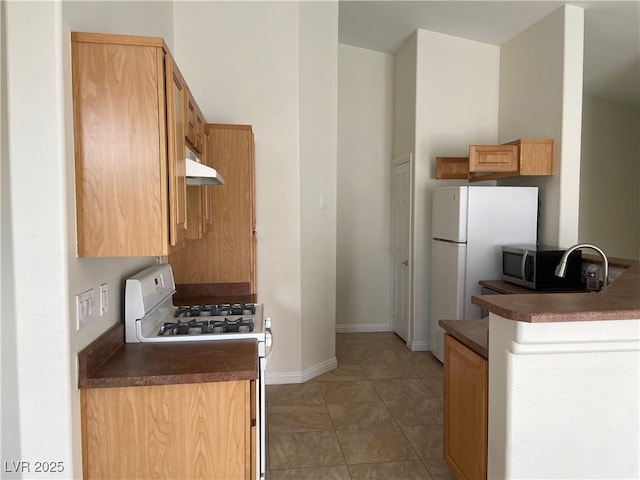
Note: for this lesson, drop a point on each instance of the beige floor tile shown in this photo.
(346, 358)
(403, 389)
(294, 394)
(298, 418)
(391, 369)
(305, 449)
(346, 392)
(371, 367)
(427, 442)
(424, 364)
(411, 470)
(436, 385)
(349, 416)
(375, 445)
(365, 337)
(427, 411)
(347, 373)
(339, 472)
(366, 354)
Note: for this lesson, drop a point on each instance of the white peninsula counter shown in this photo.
(564, 383)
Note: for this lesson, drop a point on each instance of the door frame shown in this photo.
(395, 163)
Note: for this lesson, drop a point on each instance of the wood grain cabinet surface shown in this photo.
(226, 253)
(465, 411)
(130, 122)
(522, 157)
(196, 431)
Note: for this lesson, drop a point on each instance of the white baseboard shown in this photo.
(363, 327)
(301, 377)
(419, 346)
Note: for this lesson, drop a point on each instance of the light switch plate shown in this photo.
(104, 298)
(85, 308)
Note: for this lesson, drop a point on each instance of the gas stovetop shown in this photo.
(150, 315)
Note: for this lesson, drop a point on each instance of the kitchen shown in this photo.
(297, 273)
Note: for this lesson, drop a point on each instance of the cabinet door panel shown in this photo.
(120, 149)
(167, 431)
(465, 411)
(493, 158)
(176, 95)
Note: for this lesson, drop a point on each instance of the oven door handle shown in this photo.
(268, 343)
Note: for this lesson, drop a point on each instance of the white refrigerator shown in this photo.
(469, 226)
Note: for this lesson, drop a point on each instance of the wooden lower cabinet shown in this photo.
(201, 430)
(465, 411)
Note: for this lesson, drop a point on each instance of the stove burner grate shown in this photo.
(220, 310)
(200, 327)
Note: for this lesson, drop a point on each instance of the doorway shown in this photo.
(401, 246)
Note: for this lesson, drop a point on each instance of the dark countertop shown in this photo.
(472, 333)
(619, 301)
(109, 362)
(512, 289)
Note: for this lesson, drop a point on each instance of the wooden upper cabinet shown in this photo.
(190, 120)
(130, 104)
(493, 158)
(120, 145)
(227, 252)
(195, 122)
(490, 162)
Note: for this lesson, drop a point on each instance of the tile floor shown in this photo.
(378, 415)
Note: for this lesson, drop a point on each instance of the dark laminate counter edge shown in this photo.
(109, 362)
(474, 334)
(619, 301)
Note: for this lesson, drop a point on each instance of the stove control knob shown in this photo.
(267, 322)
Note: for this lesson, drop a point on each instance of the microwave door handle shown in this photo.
(523, 268)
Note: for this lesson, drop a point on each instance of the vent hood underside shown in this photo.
(199, 174)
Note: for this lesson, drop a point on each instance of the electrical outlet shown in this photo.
(104, 298)
(85, 307)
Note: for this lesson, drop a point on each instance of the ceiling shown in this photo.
(611, 43)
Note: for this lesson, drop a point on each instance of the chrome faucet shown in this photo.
(561, 269)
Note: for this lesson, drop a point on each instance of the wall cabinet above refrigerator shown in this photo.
(522, 157)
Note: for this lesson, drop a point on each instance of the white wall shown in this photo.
(610, 177)
(365, 128)
(541, 97)
(244, 62)
(38, 225)
(318, 70)
(404, 98)
(451, 113)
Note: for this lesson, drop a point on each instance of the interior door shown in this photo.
(401, 228)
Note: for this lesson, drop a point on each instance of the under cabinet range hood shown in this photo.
(200, 174)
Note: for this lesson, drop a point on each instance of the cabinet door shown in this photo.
(226, 254)
(493, 158)
(190, 121)
(176, 95)
(200, 430)
(465, 411)
(120, 148)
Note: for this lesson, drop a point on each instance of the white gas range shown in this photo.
(150, 316)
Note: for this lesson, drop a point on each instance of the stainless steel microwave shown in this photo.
(534, 266)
